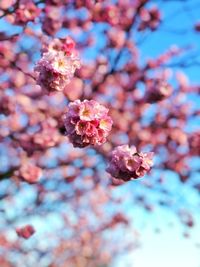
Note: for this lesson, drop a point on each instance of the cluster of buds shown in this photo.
(150, 19)
(51, 22)
(28, 173)
(25, 232)
(164, 58)
(197, 27)
(115, 15)
(26, 12)
(157, 90)
(108, 13)
(47, 136)
(57, 65)
(111, 14)
(7, 104)
(87, 123)
(117, 37)
(127, 164)
(194, 141)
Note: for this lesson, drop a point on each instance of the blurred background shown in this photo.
(80, 218)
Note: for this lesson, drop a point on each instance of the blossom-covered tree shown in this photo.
(81, 113)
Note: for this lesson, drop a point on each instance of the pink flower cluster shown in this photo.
(87, 123)
(127, 164)
(57, 65)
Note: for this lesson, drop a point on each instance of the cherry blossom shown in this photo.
(57, 66)
(87, 123)
(127, 164)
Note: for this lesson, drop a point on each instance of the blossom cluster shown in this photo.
(127, 164)
(87, 122)
(57, 65)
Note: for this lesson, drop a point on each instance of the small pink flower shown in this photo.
(91, 129)
(127, 164)
(87, 123)
(25, 232)
(86, 111)
(105, 124)
(68, 46)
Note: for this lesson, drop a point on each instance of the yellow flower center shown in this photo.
(61, 63)
(86, 112)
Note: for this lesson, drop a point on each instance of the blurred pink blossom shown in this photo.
(28, 173)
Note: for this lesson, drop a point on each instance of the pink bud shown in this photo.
(25, 232)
